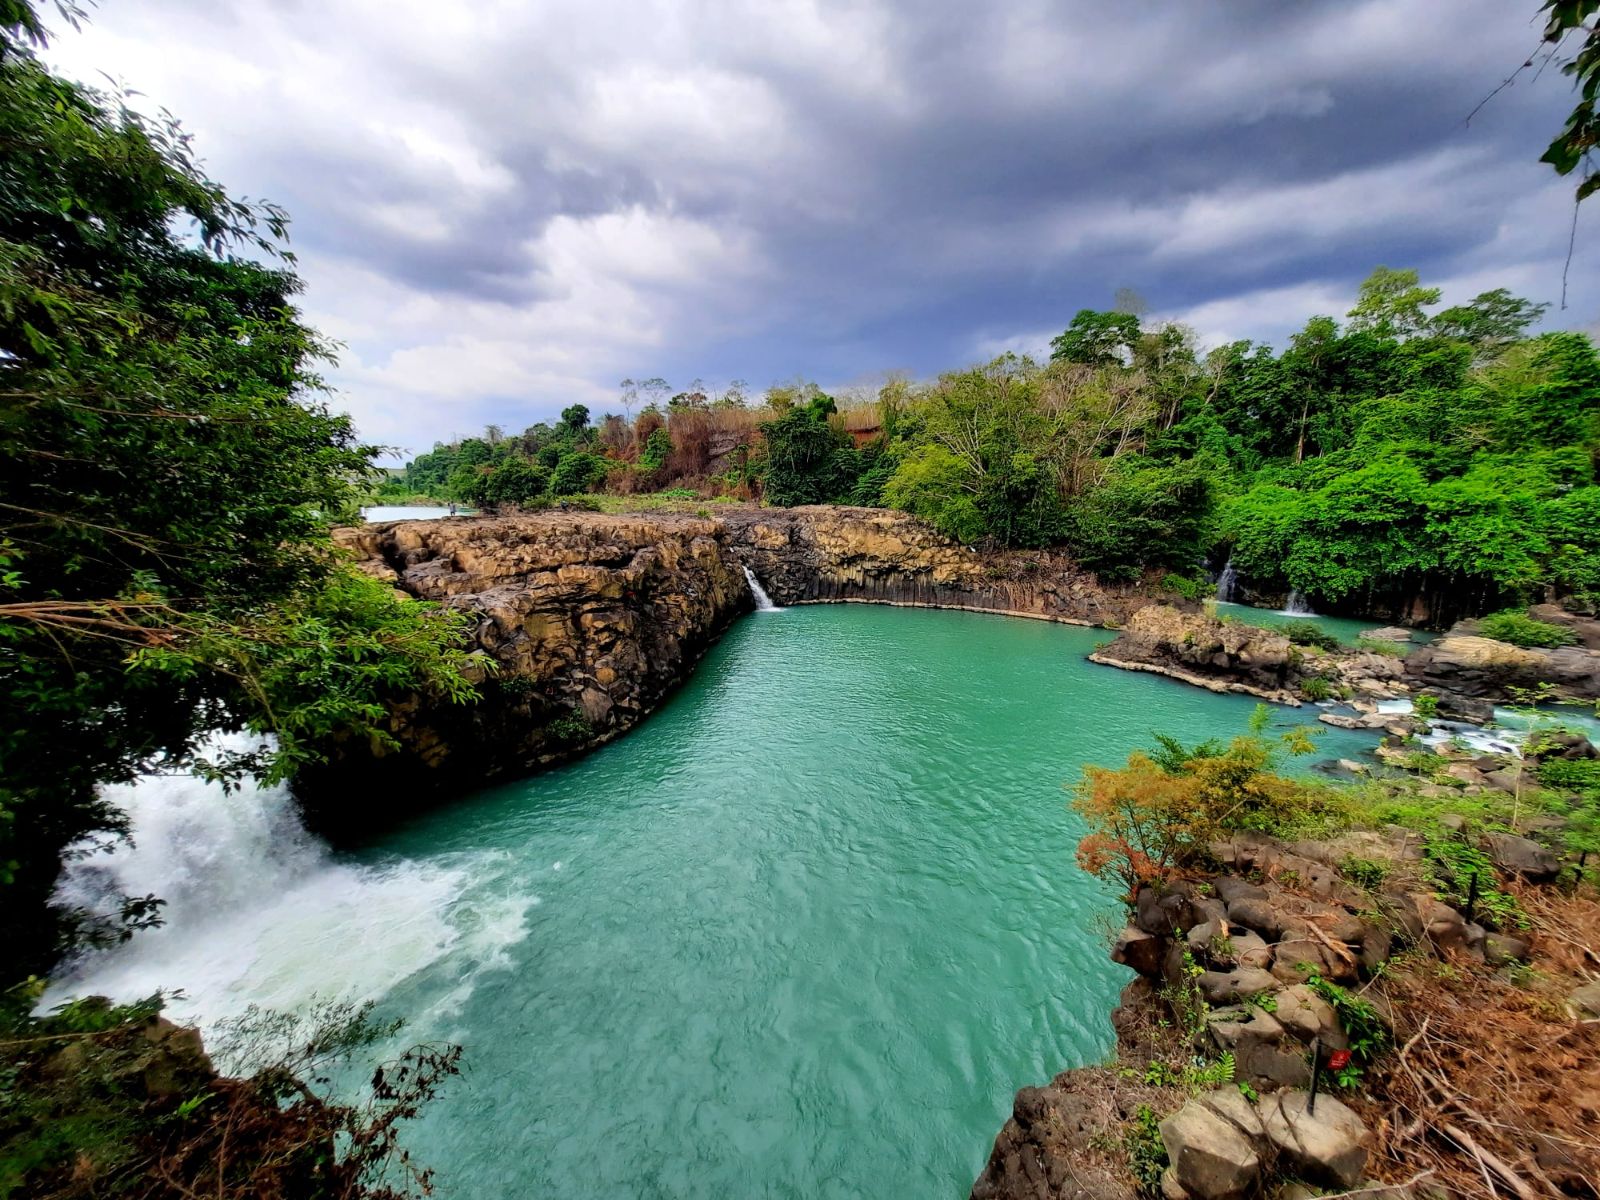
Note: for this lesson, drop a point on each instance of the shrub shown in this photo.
(1364, 872)
(1520, 629)
(579, 472)
(1189, 589)
(1381, 646)
(1148, 816)
(1306, 633)
(1316, 688)
(1147, 1153)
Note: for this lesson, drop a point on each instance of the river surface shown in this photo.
(801, 934)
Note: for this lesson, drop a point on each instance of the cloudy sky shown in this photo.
(507, 206)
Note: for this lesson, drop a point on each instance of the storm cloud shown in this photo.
(506, 207)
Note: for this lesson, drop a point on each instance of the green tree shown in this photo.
(168, 472)
(1390, 304)
(1491, 321)
(1097, 339)
(577, 473)
(808, 461)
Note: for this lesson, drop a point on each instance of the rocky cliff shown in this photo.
(1224, 656)
(591, 619)
(594, 618)
(823, 554)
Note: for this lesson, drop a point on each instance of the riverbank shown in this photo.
(1437, 958)
(591, 620)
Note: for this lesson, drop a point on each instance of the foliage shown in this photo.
(1316, 689)
(1365, 873)
(808, 461)
(1464, 877)
(1362, 1025)
(1148, 816)
(1518, 628)
(79, 1119)
(1189, 589)
(1308, 633)
(1097, 339)
(1574, 145)
(1146, 1152)
(1380, 646)
(168, 473)
(578, 473)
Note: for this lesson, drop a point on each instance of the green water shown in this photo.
(1346, 629)
(801, 934)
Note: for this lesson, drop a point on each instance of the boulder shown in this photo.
(1230, 888)
(1257, 915)
(1231, 1106)
(1262, 1052)
(1308, 1016)
(1521, 856)
(1296, 960)
(1500, 949)
(1211, 1159)
(1222, 946)
(1584, 1002)
(1165, 911)
(1142, 951)
(1327, 1146)
(1230, 987)
(1569, 746)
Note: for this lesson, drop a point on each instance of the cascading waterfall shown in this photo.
(257, 909)
(1297, 605)
(759, 594)
(1227, 582)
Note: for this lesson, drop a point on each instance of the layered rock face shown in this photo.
(1465, 665)
(823, 553)
(594, 618)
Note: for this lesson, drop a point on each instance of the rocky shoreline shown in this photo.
(591, 620)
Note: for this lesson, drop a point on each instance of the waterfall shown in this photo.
(763, 601)
(1227, 582)
(1297, 605)
(258, 910)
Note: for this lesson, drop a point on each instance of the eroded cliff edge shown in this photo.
(593, 619)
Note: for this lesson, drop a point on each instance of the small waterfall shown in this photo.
(1227, 582)
(1297, 605)
(763, 601)
(257, 909)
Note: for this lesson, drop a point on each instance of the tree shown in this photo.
(808, 461)
(578, 472)
(574, 419)
(167, 477)
(1390, 304)
(1575, 144)
(1097, 339)
(1490, 322)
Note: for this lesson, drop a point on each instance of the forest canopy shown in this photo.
(1408, 449)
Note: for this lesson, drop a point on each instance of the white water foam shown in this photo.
(258, 911)
(759, 594)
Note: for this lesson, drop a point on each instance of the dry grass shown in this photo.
(1496, 1089)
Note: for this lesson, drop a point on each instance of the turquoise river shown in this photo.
(801, 934)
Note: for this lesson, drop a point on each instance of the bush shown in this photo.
(577, 473)
(1316, 689)
(1518, 628)
(1154, 813)
(1305, 633)
(1381, 646)
(1189, 589)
